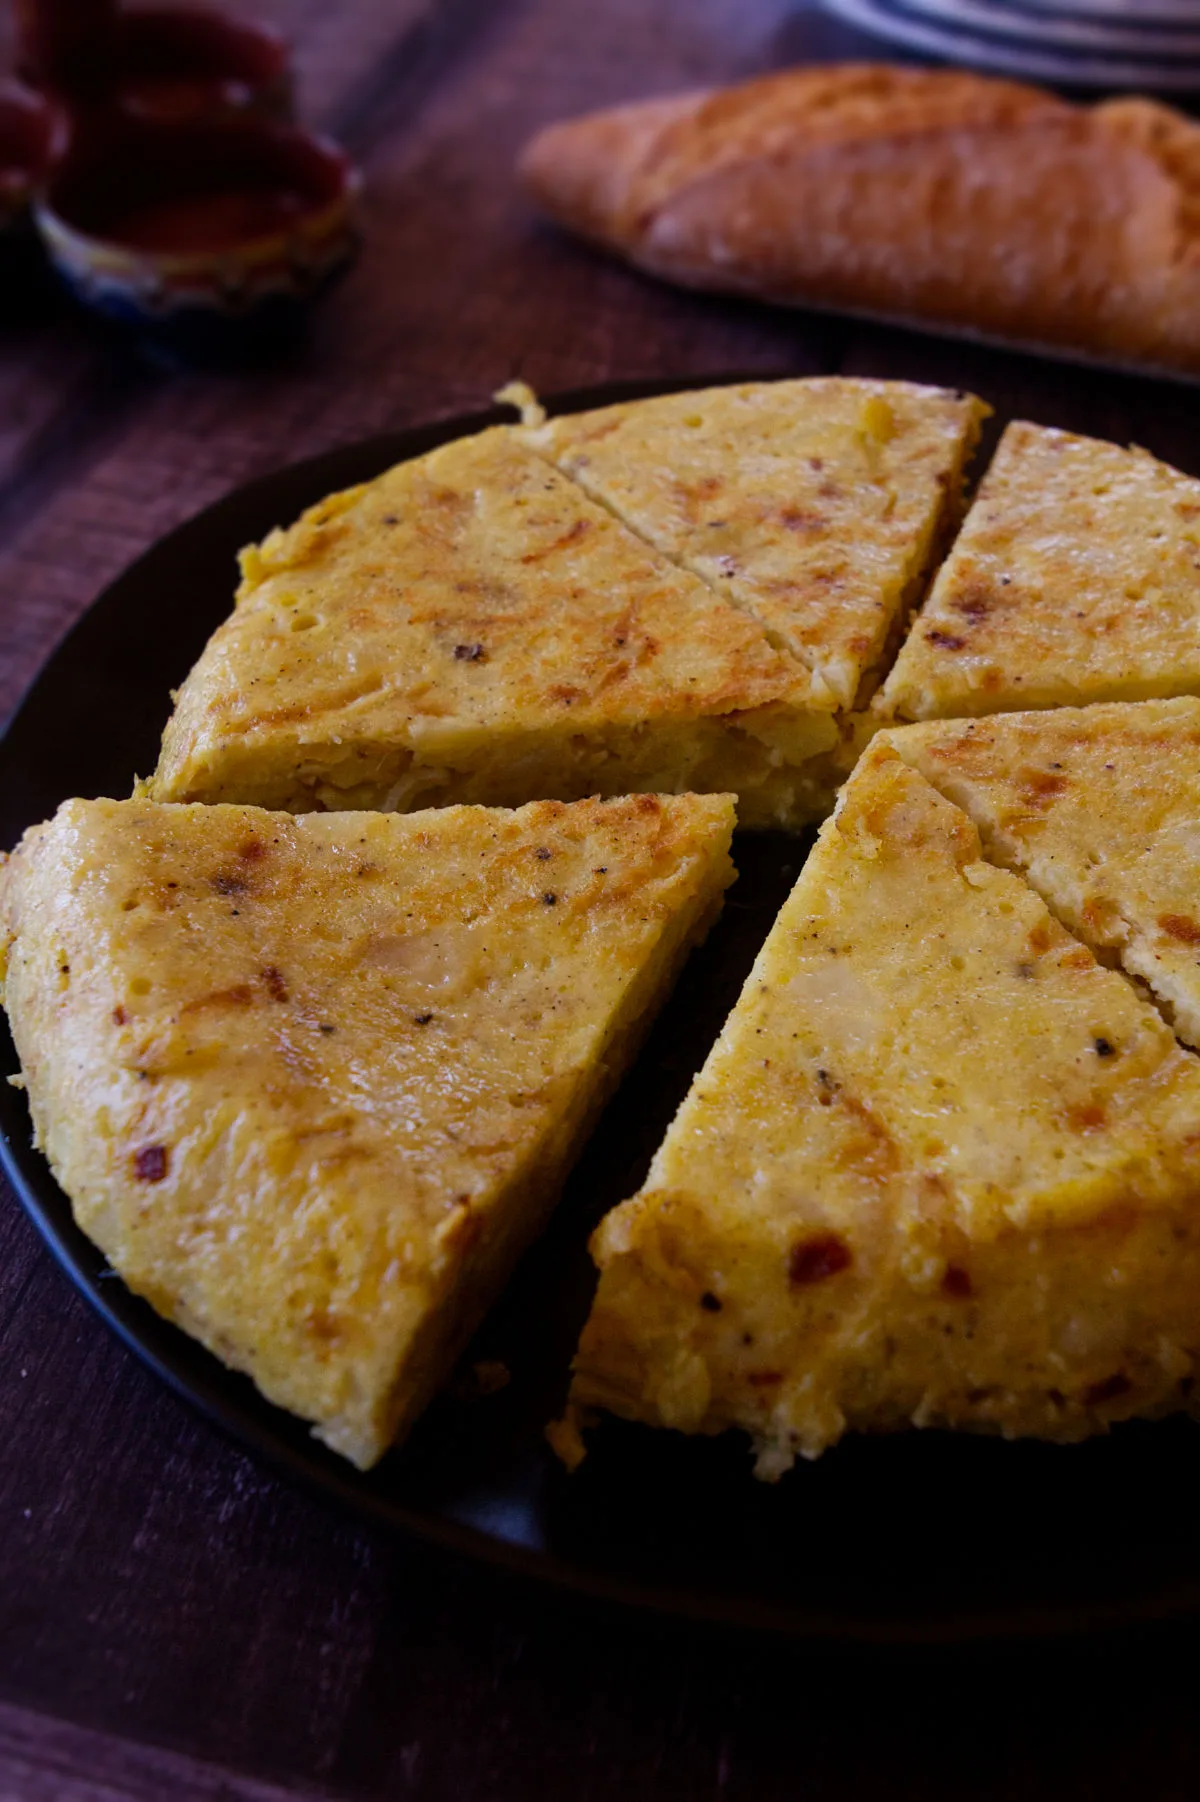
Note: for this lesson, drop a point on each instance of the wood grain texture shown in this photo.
(162, 1597)
(44, 1760)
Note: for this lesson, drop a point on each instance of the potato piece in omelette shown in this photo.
(471, 627)
(1076, 578)
(1099, 807)
(941, 1168)
(817, 505)
(311, 1083)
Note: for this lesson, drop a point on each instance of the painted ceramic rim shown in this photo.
(294, 261)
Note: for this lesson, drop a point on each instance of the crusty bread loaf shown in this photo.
(977, 204)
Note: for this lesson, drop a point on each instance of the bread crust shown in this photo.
(973, 203)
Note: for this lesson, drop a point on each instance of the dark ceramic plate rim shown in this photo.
(229, 1400)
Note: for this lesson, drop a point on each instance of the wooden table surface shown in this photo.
(175, 1621)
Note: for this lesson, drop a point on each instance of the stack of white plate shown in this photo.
(1093, 43)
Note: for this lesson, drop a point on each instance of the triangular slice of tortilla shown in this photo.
(472, 627)
(312, 1083)
(941, 1168)
(1100, 808)
(818, 505)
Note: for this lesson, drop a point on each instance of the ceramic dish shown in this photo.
(196, 233)
(917, 1538)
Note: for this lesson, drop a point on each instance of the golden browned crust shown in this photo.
(472, 627)
(939, 1169)
(948, 196)
(1097, 808)
(311, 1083)
(1074, 579)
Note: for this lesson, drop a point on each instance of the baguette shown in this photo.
(937, 196)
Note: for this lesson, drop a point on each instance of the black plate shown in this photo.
(924, 1537)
